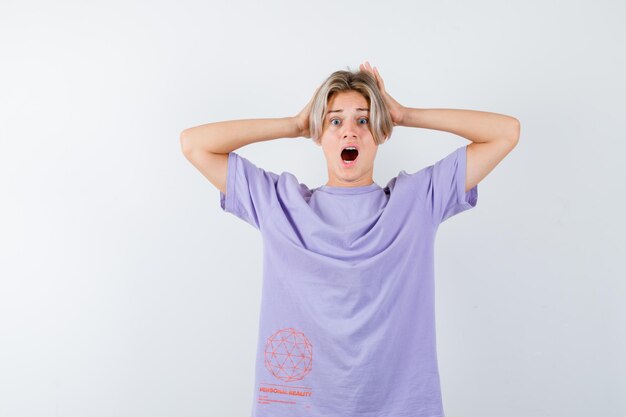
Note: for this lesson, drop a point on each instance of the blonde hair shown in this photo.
(380, 122)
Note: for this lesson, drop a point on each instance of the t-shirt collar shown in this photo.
(349, 190)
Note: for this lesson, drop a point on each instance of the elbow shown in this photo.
(184, 142)
(515, 130)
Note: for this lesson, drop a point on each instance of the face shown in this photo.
(346, 124)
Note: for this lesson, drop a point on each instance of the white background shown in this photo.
(125, 290)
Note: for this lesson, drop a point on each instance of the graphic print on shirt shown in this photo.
(289, 358)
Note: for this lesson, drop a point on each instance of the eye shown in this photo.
(360, 121)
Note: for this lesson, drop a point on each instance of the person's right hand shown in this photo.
(302, 118)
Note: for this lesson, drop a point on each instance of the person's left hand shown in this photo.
(395, 108)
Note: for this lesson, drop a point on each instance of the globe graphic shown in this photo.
(288, 354)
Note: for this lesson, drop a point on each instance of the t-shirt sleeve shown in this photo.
(447, 195)
(250, 190)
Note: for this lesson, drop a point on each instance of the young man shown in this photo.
(347, 315)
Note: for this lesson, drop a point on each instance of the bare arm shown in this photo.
(493, 135)
(224, 137)
(474, 125)
(207, 146)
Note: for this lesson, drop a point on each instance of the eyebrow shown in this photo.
(341, 110)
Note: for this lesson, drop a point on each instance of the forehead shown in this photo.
(347, 100)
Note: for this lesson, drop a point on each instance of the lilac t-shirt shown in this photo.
(347, 321)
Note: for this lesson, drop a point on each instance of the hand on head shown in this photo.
(302, 118)
(395, 109)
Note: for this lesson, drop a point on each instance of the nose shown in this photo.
(349, 129)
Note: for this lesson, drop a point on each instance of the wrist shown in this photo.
(300, 126)
(411, 117)
(296, 128)
(402, 114)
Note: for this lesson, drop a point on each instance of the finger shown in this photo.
(378, 76)
(363, 67)
(372, 70)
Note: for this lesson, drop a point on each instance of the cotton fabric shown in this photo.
(347, 320)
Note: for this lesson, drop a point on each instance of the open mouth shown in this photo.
(349, 155)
